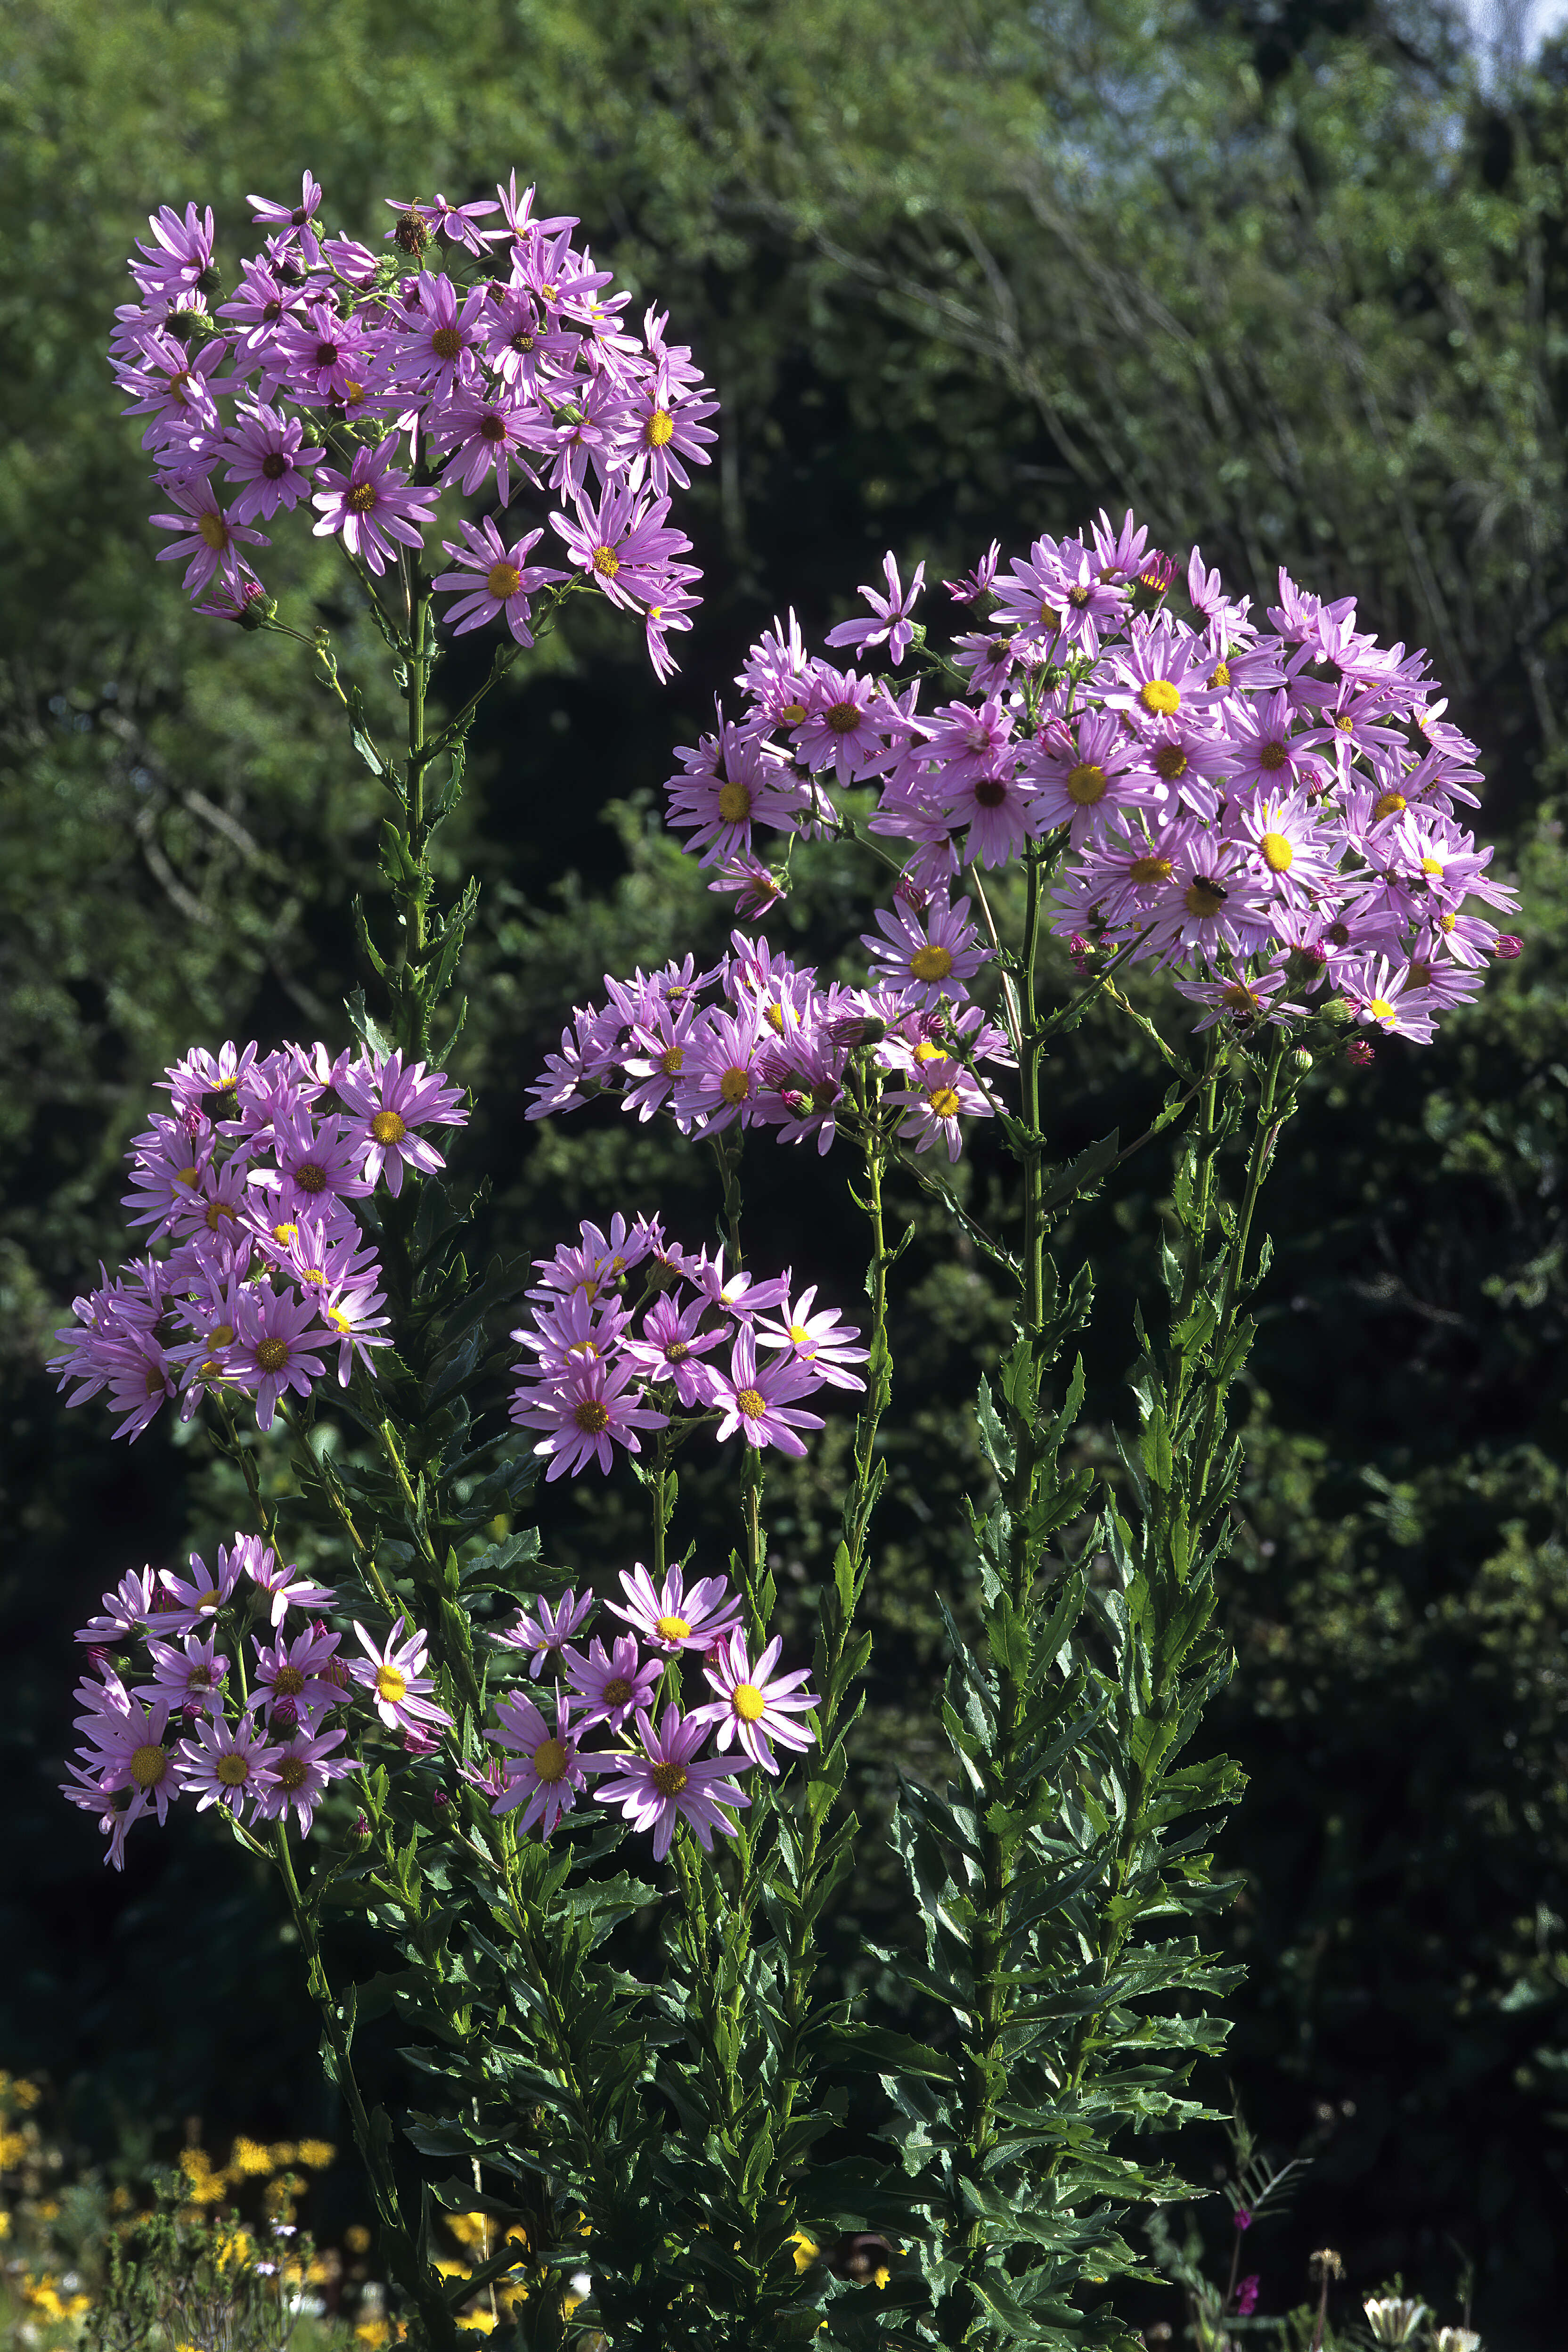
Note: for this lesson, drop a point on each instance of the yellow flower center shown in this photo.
(1380, 1008)
(210, 1599)
(928, 1052)
(446, 343)
(149, 1763)
(752, 1403)
(292, 1773)
(945, 1102)
(388, 1127)
(734, 802)
(233, 1770)
(659, 428)
(288, 1682)
(221, 1335)
(389, 1685)
(1418, 975)
(1389, 805)
(1237, 999)
(360, 497)
(218, 1213)
(591, 1417)
(1203, 898)
(314, 1274)
(606, 562)
(1272, 756)
(1277, 854)
(310, 1178)
(550, 1759)
(285, 1233)
(668, 1778)
(616, 1691)
(1432, 866)
(189, 1176)
(672, 1061)
(930, 963)
(673, 1629)
(1086, 784)
(503, 580)
(1447, 922)
(1150, 869)
(272, 1354)
(735, 1086)
(1169, 761)
(1220, 675)
(843, 718)
(747, 1701)
(1161, 696)
(793, 714)
(214, 530)
(773, 1015)
(799, 1334)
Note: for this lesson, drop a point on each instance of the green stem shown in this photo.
(1271, 1116)
(424, 2287)
(825, 1762)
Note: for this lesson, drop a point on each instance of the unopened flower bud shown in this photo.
(441, 1800)
(256, 607)
(1361, 1051)
(284, 1713)
(1507, 946)
(1326, 2263)
(362, 1829)
(1080, 949)
(1247, 2294)
(1302, 1060)
(856, 1029)
(189, 327)
(910, 894)
(1157, 574)
(99, 1658)
(1242, 2218)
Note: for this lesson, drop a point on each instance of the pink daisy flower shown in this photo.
(927, 955)
(821, 1341)
(209, 536)
(755, 1706)
(373, 506)
(891, 627)
(543, 1773)
(395, 1680)
(758, 1401)
(548, 1634)
(299, 1773)
(609, 1685)
(587, 1411)
(386, 1102)
(190, 1678)
(496, 581)
(273, 1350)
(666, 1782)
(670, 1617)
(226, 1764)
(130, 1748)
(265, 453)
(196, 1603)
(123, 1611)
(623, 543)
(282, 1583)
(297, 1680)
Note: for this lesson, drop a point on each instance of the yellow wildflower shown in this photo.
(317, 2154)
(248, 2156)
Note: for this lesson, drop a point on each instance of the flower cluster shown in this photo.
(250, 1179)
(1253, 810)
(659, 1775)
(260, 1744)
(696, 1346)
(363, 386)
(760, 1041)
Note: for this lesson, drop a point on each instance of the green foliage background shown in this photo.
(1290, 281)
